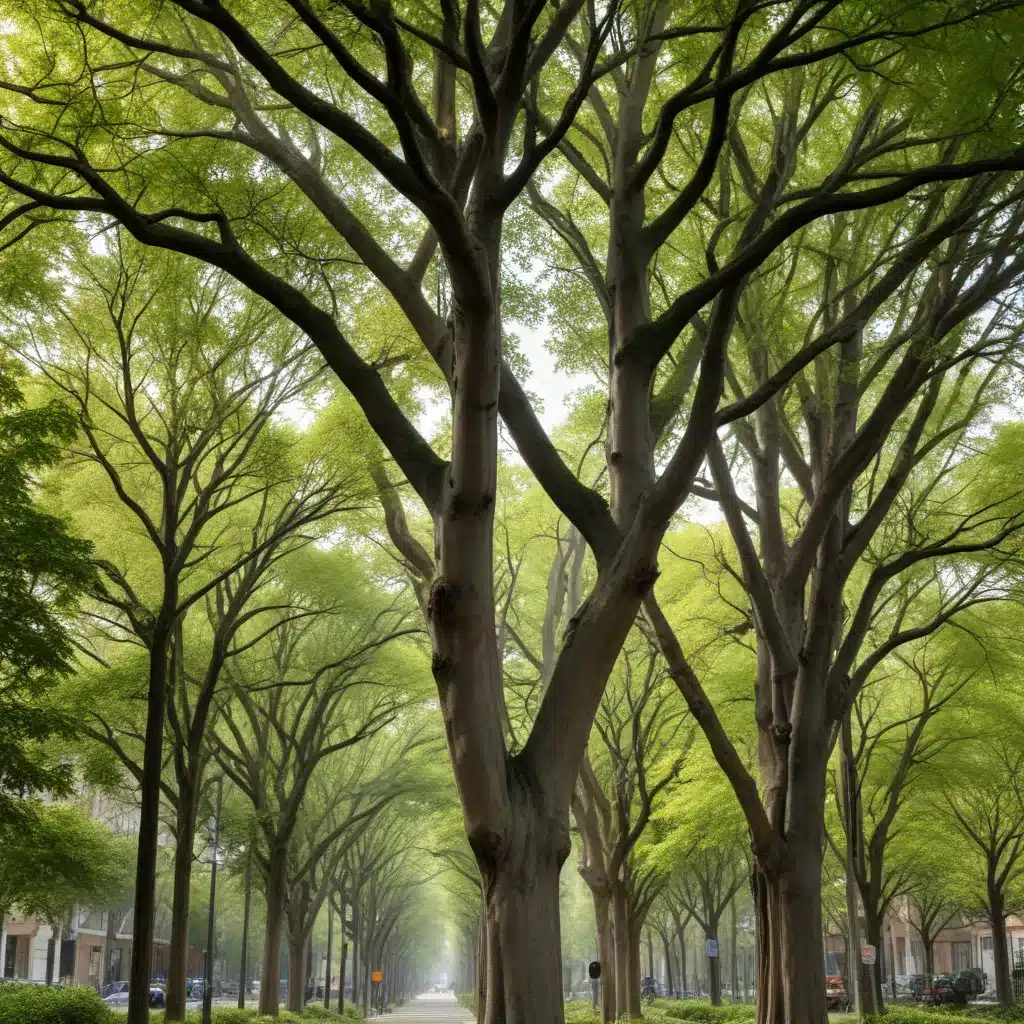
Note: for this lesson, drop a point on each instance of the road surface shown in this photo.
(429, 1009)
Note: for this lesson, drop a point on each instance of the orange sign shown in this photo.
(376, 975)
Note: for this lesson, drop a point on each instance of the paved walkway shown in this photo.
(429, 1009)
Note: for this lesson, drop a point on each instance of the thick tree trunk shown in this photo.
(605, 954)
(1000, 950)
(177, 956)
(149, 824)
(277, 898)
(791, 968)
(524, 961)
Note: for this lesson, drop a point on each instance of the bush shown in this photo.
(704, 1013)
(36, 1004)
(232, 1015)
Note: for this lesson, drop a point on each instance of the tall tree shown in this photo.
(260, 107)
(173, 386)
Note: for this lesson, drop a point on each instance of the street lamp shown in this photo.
(208, 979)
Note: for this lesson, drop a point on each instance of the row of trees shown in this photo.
(784, 241)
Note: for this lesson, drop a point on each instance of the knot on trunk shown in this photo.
(443, 596)
(644, 579)
(782, 731)
(440, 666)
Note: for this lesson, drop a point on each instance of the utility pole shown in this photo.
(208, 980)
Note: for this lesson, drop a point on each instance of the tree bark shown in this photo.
(791, 968)
(149, 822)
(296, 973)
(733, 937)
(177, 958)
(714, 964)
(620, 924)
(277, 898)
(243, 972)
(633, 1001)
(605, 954)
(669, 980)
(1000, 949)
(341, 977)
(524, 963)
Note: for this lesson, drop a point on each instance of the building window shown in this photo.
(986, 943)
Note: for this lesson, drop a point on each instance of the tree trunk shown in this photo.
(620, 924)
(296, 973)
(929, 958)
(633, 1000)
(524, 962)
(791, 967)
(715, 964)
(873, 934)
(605, 954)
(341, 977)
(669, 981)
(243, 972)
(330, 943)
(733, 936)
(149, 823)
(177, 954)
(683, 984)
(277, 898)
(1000, 950)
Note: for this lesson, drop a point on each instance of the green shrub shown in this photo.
(232, 1015)
(704, 1013)
(32, 1004)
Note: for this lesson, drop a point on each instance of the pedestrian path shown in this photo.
(429, 1009)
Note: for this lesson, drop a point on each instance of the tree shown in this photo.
(54, 859)
(892, 739)
(174, 386)
(461, 159)
(44, 570)
(307, 690)
(984, 802)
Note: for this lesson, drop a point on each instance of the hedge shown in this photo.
(37, 1004)
(704, 1013)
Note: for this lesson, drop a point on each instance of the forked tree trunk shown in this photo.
(524, 959)
(177, 956)
(605, 954)
(277, 899)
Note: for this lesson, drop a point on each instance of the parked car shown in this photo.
(118, 994)
(835, 993)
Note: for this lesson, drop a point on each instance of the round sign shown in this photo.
(594, 970)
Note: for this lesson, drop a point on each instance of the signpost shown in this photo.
(711, 948)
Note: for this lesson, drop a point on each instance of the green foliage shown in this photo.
(704, 1012)
(233, 1015)
(31, 1004)
(56, 858)
(43, 570)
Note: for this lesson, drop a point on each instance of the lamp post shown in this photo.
(208, 979)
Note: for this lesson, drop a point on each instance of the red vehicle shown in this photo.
(835, 993)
